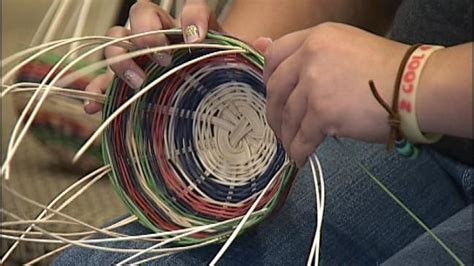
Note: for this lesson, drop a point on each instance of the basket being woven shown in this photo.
(196, 149)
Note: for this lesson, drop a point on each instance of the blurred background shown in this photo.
(35, 170)
(41, 168)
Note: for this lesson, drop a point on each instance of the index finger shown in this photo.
(280, 49)
(146, 16)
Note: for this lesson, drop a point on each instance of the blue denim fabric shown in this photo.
(362, 225)
(456, 232)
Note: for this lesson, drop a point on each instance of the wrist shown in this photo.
(417, 58)
(403, 118)
(431, 81)
(446, 98)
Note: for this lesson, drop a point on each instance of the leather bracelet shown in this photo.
(395, 136)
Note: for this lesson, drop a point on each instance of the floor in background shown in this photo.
(35, 173)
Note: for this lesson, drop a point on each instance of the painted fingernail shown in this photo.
(191, 34)
(162, 58)
(133, 79)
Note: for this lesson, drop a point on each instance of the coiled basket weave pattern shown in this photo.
(197, 149)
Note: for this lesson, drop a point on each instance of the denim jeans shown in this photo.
(362, 225)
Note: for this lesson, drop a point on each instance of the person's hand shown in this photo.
(317, 86)
(196, 18)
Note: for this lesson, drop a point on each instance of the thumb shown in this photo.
(262, 44)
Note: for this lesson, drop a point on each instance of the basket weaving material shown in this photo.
(196, 149)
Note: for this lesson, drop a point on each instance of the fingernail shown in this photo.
(162, 58)
(191, 34)
(86, 102)
(133, 79)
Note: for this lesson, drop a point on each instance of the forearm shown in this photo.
(444, 100)
(249, 19)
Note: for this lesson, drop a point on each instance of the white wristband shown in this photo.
(407, 95)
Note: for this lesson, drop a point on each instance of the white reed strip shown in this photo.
(42, 221)
(58, 21)
(244, 220)
(79, 192)
(127, 24)
(62, 240)
(85, 242)
(68, 217)
(122, 237)
(12, 232)
(78, 31)
(43, 48)
(118, 224)
(69, 93)
(320, 197)
(166, 5)
(154, 258)
(40, 32)
(314, 244)
(30, 87)
(70, 24)
(28, 222)
(97, 172)
(178, 7)
(225, 11)
(48, 254)
(71, 77)
(13, 145)
(170, 240)
(146, 237)
(135, 97)
(57, 44)
(323, 197)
